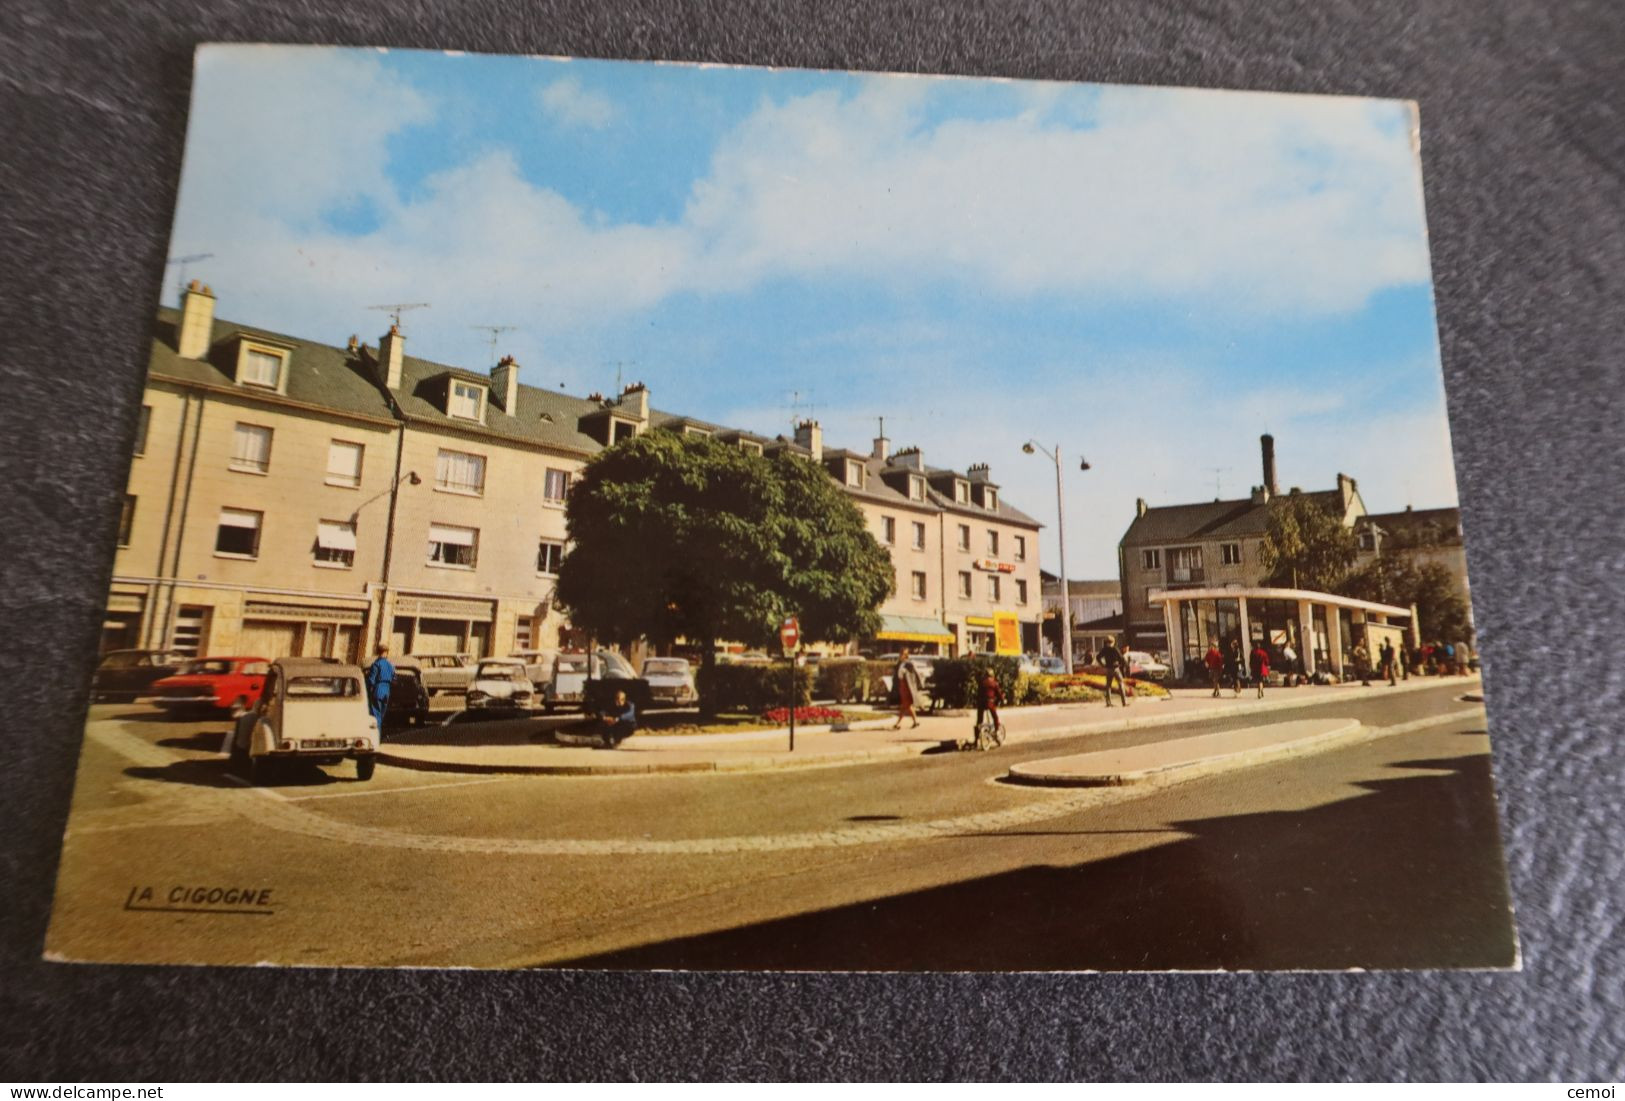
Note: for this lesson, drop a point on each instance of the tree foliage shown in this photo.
(1395, 579)
(1306, 545)
(676, 536)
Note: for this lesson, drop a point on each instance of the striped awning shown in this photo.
(910, 628)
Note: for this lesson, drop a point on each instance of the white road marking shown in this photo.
(278, 811)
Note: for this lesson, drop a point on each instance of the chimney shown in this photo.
(1139, 506)
(634, 401)
(811, 436)
(197, 322)
(1261, 495)
(978, 474)
(505, 383)
(881, 448)
(909, 457)
(1345, 490)
(390, 349)
(1267, 443)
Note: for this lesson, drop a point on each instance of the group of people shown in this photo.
(1236, 670)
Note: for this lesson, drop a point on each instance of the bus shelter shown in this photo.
(1321, 628)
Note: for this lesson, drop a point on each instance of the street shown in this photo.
(1382, 853)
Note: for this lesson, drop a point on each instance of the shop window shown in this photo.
(251, 449)
(344, 463)
(238, 535)
(335, 543)
(549, 554)
(460, 472)
(454, 547)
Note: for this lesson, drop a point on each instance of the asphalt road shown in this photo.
(1379, 854)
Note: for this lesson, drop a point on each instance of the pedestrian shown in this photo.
(1116, 666)
(1214, 661)
(1261, 666)
(1362, 663)
(1388, 670)
(618, 722)
(988, 698)
(380, 676)
(907, 680)
(1289, 664)
(1232, 666)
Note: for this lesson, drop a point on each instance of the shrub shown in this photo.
(843, 680)
(875, 676)
(755, 688)
(957, 679)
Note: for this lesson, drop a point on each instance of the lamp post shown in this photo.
(1029, 448)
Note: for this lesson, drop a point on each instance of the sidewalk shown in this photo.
(524, 746)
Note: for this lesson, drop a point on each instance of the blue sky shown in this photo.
(1148, 277)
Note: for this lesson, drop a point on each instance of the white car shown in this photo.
(445, 673)
(500, 684)
(1143, 665)
(312, 710)
(671, 680)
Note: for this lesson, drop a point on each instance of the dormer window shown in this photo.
(916, 488)
(961, 491)
(262, 364)
(621, 430)
(854, 474)
(691, 430)
(990, 497)
(466, 400)
(750, 447)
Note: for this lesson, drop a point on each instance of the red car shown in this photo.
(214, 684)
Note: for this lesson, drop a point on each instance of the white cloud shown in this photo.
(567, 102)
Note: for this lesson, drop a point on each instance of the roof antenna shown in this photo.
(395, 309)
(1218, 481)
(180, 284)
(618, 364)
(495, 331)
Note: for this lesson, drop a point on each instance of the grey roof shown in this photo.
(544, 417)
(1440, 526)
(1209, 520)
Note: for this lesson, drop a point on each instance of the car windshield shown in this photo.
(323, 686)
(572, 665)
(500, 672)
(664, 667)
(614, 665)
(211, 667)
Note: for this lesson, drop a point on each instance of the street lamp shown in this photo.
(1030, 447)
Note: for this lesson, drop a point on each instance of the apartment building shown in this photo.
(292, 497)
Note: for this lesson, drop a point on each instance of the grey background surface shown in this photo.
(1524, 156)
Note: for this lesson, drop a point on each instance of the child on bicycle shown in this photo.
(988, 699)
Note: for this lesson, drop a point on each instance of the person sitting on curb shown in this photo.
(618, 722)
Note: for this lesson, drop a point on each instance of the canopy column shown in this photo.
(1174, 624)
(1306, 636)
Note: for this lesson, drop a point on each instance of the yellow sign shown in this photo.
(1006, 634)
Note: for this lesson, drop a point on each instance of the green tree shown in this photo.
(1306, 545)
(1394, 579)
(677, 536)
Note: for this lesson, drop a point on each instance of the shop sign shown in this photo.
(993, 565)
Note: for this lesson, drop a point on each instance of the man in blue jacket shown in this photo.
(380, 676)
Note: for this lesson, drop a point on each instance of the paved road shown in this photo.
(1379, 854)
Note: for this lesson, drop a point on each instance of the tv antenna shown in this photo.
(395, 309)
(180, 285)
(618, 364)
(1218, 479)
(795, 407)
(496, 332)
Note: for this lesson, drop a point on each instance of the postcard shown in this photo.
(592, 514)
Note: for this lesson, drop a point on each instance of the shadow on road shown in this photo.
(205, 742)
(203, 774)
(1409, 876)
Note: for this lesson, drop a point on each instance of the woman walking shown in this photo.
(907, 679)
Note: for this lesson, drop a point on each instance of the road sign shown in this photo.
(789, 633)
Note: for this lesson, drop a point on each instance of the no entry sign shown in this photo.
(789, 633)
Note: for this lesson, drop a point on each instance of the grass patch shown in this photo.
(737, 722)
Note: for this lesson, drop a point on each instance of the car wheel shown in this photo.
(364, 767)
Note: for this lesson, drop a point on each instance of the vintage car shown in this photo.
(311, 709)
(408, 699)
(1145, 666)
(130, 674)
(445, 673)
(214, 684)
(500, 684)
(570, 684)
(538, 665)
(671, 681)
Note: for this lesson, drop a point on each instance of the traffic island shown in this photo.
(1180, 758)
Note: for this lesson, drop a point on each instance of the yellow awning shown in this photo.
(909, 628)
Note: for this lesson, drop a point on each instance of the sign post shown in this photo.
(789, 638)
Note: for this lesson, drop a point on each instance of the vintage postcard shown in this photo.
(618, 515)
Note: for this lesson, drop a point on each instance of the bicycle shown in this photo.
(989, 735)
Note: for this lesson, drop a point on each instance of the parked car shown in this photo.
(214, 684)
(671, 680)
(311, 709)
(130, 674)
(538, 665)
(1052, 666)
(1144, 666)
(569, 685)
(408, 699)
(500, 684)
(448, 673)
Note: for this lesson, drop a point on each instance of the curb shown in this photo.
(784, 762)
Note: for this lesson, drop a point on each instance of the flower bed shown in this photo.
(780, 716)
(1062, 687)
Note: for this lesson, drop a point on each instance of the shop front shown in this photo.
(919, 633)
(442, 625)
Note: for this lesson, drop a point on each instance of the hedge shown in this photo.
(754, 688)
(958, 679)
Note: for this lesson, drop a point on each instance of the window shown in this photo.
(621, 430)
(1151, 559)
(460, 472)
(1368, 539)
(992, 541)
(691, 430)
(1185, 564)
(750, 447)
(465, 400)
(990, 497)
(523, 632)
(1021, 591)
(1021, 550)
(239, 533)
(555, 486)
(854, 474)
(993, 588)
(964, 538)
(916, 585)
(141, 427)
(344, 463)
(251, 449)
(916, 487)
(962, 492)
(919, 536)
(1230, 554)
(549, 554)
(964, 584)
(262, 368)
(335, 543)
(888, 530)
(126, 520)
(455, 547)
